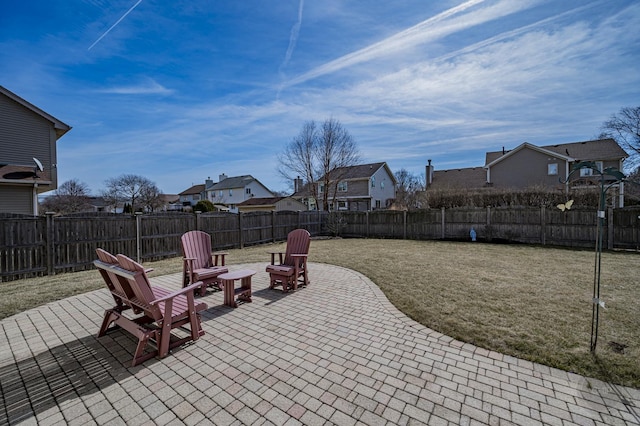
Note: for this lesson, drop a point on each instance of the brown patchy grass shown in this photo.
(530, 302)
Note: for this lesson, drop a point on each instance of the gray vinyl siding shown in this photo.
(355, 188)
(16, 199)
(378, 192)
(527, 168)
(24, 135)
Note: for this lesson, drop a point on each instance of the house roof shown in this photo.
(195, 189)
(264, 201)
(233, 182)
(360, 171)
(600, 149)
(60, 127)
(470, 177)
(494, 158)
(170, 198)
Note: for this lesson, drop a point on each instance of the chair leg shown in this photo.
(109, 316)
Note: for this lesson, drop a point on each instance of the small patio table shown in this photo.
(243, 292)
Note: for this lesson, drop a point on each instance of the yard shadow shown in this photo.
(271, 295)
(613, 391)
(76, 369)
(70, 370)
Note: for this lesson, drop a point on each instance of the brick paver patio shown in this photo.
(336, 352)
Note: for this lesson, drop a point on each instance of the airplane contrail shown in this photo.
(293, 39)
(375, 49)
(114, 25)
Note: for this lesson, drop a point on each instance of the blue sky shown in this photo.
(178, 91)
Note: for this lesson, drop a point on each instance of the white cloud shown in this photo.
(146, 87)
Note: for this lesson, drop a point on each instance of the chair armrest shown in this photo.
(188, 289)
(221, 255)
(300, 258)
(273, 257)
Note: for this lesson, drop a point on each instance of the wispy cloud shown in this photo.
(428, 30)
(147, 87)
(114, 25)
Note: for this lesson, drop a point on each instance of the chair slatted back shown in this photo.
(197, 245)
(116, 283)
(298, 242)
(140, 286)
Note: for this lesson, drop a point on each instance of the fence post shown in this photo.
(48, 244)
(273, 225)
(610, 229)
(543, 225)
(366, 218)
(138, 216)
(404, 225)
(198, 224)
(442, 223)
(240, 239)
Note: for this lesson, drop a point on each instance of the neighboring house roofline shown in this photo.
(195, 189)
(60, 127)
(265, 201)
(359, 171)
(530, 146)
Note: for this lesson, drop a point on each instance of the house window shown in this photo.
(552, 169)
(196, 197)
(589, 172)
(382, 185)
(342, 205)
(378, 204)
(373, 181)
(220, 193)
(321, 188)
(247, 191)
(342, 186)
(230, 192)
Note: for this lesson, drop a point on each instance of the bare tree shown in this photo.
(320, 156)
(71, 196)
(138, 191)
(624, 127)
(408, 189)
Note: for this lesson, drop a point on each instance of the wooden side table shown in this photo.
(228, 283)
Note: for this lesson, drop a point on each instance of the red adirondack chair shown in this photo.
(199, 264)
(159, 310)
(291, 269)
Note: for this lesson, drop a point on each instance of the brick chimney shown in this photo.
(297, 184)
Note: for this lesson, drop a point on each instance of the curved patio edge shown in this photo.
(335, 352)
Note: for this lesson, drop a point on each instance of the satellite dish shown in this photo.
(38, 164)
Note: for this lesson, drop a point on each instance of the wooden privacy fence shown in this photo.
(530, 225)
(34, 246)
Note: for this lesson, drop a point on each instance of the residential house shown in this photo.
(170, 203)
(28, 155)
(190, 197)
(228, 192)
(362, 187)
(270, 204)
(529, 165)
